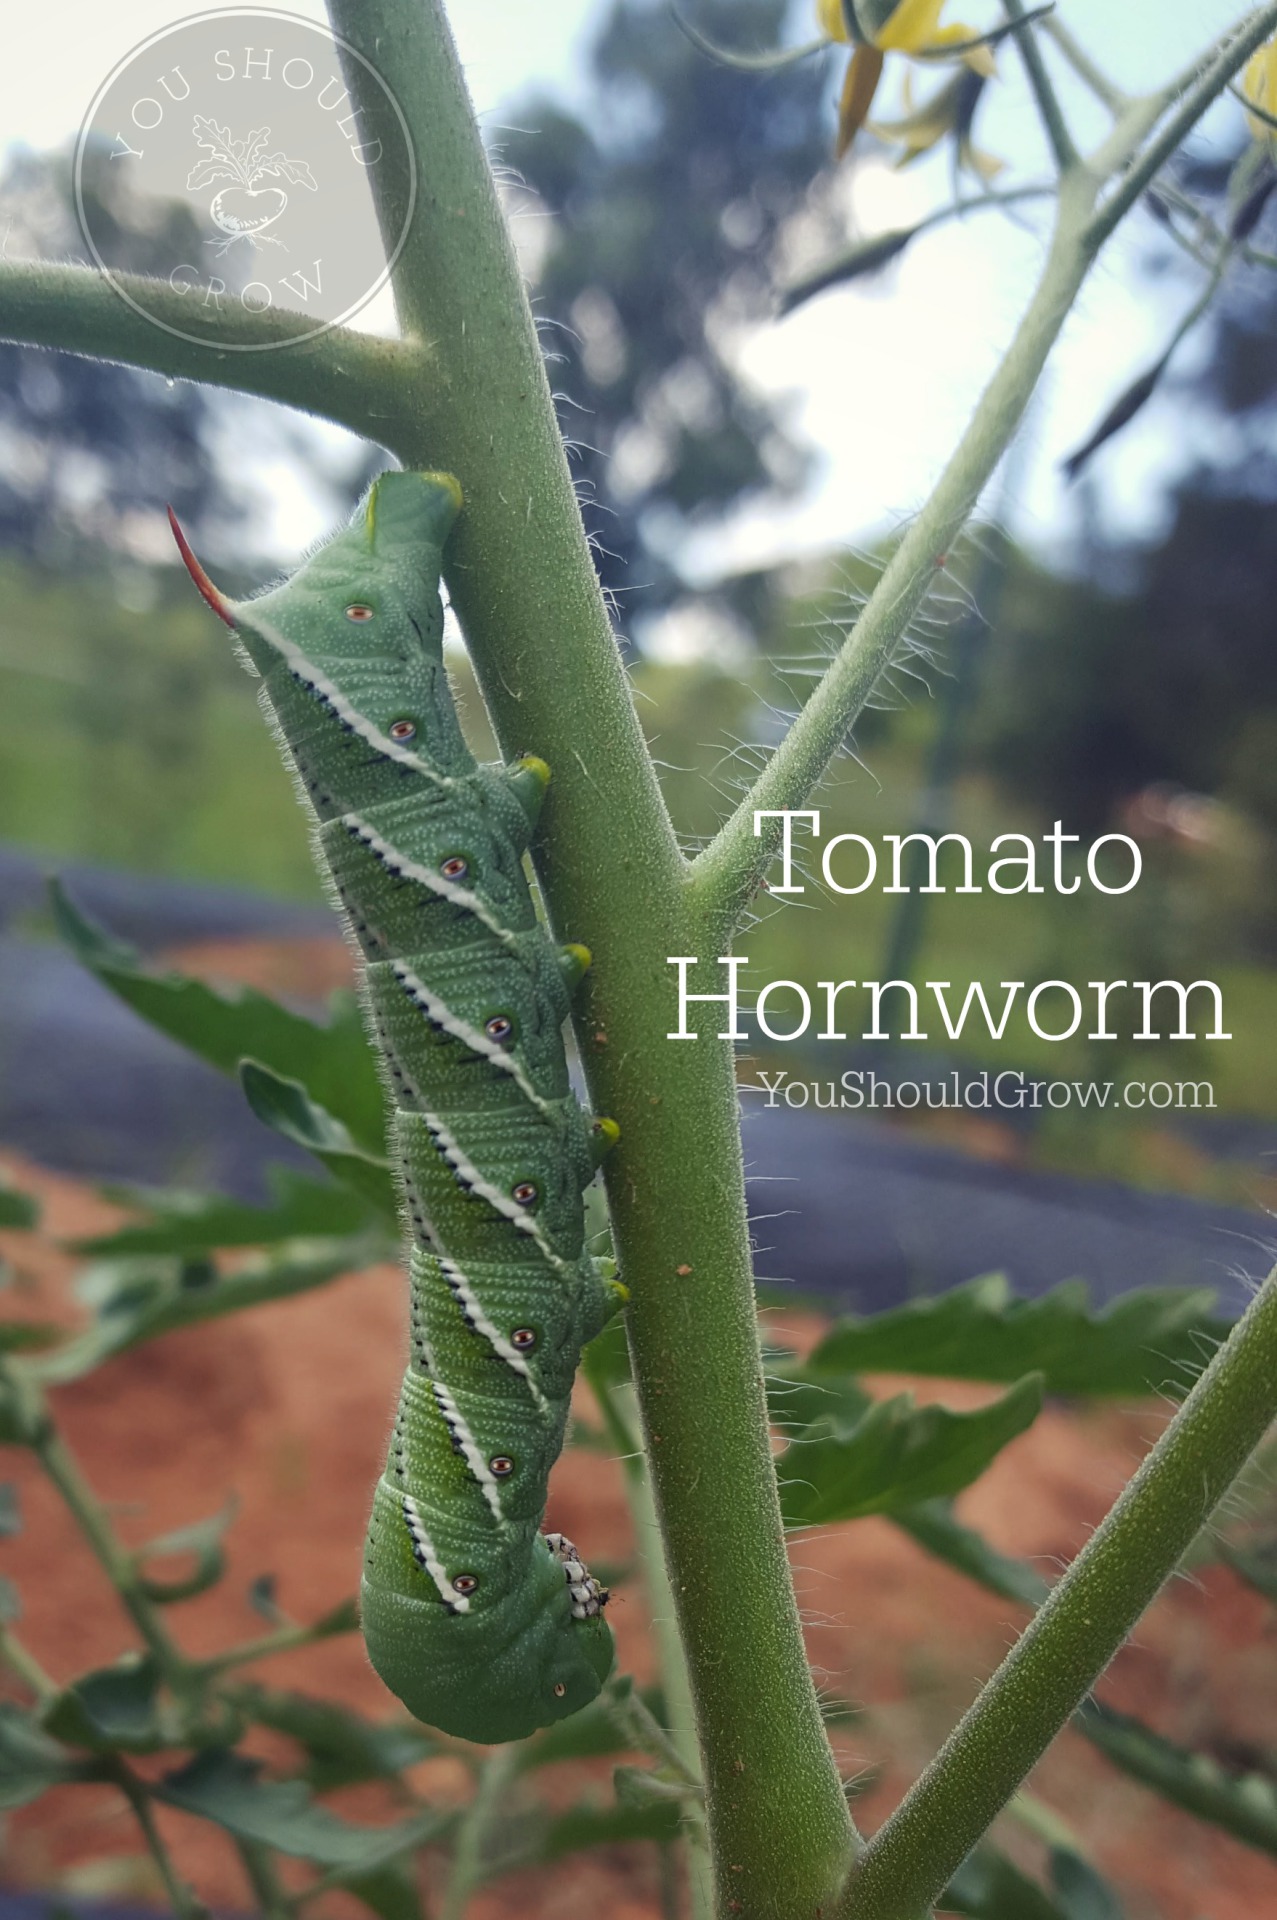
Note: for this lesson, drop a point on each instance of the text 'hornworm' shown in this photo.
(481, 1624)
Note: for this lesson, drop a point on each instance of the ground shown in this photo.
(287, 1409)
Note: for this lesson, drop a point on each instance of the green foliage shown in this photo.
(988, 1886)
(286, 1107)
(894, 1454)
(201, 1542)
(846, 1455)
(17, 1209)
(113, 1710)
(21, 1336)
(1140, 1343)
(936, 1527)
(1244, 1805)
(226, 1028)
(229, 1789)
(192, 1223)
(134, 1300)
(341, 1747)
(31, 1762)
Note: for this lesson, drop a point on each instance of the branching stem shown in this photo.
(184, 1902)
(1050, 110)
(117, 1563)
(1078, 1628)
(733, 864)
(348, 377)
(1091, 75)
(1194, 90)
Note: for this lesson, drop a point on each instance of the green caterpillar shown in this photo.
(482, 1625)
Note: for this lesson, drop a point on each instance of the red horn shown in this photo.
(216, 600)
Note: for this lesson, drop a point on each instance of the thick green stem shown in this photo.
(347, 377)
(1077, 1629)
(521, 577)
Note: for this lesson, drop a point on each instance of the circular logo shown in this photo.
(228, 161)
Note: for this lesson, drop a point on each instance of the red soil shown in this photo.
(289, 1406)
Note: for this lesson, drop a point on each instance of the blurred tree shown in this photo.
(93, 452)
(1174, 679)
(666, 196)
(83, 446)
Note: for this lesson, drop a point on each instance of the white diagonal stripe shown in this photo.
(425, 876)
(306, 671)
(469, 1302)
(441, 1015)
(469, 1176)
(425, 1555)
(455, 1422)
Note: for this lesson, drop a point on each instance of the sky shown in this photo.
(880, 378)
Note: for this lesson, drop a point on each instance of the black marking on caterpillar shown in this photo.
(481, 1624)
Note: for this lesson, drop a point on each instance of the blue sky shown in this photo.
(880, 379)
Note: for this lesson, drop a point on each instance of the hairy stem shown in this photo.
(521, 577)
(487, 1807)
(1091, 75)
(729, 870)
(734, 862)
(1194, 90)
(347, 377)
(1050, 111)
(1077, 1629)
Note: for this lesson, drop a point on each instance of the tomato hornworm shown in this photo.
(481, 1624)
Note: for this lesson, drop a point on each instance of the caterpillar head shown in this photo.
(359, 627)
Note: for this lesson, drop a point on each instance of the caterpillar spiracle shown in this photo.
(483, 1625)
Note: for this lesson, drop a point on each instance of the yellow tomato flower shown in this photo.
(909, 26)
(947, 114)
(1259, 85)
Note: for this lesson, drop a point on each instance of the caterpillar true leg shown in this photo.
(481, 1624)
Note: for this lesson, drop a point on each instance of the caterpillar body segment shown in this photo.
(482, 1625)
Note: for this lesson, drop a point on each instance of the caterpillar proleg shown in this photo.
(482, 1625)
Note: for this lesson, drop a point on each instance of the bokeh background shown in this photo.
(1102, 653)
